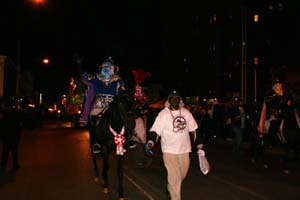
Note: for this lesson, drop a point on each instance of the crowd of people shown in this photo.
(275, 122)
(178, 127)
(253, 129)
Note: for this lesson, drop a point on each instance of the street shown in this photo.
(55, 164)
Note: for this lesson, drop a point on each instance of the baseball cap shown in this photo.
(175, 93)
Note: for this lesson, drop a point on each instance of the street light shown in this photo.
(255, 62)
(37, 2)
(46, 61)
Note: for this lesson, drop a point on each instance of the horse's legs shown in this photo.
(96, 170)
(105, 159)
(105, 168)
(92, 135)
(120, 176)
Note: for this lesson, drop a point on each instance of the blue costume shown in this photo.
(102, 87)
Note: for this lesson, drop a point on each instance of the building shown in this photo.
(227, 48)
(8, 77)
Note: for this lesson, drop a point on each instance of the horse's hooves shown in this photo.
(96, 179)
(105, 190)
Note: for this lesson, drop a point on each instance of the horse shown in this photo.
(113, 130)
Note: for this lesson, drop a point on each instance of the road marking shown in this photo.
(139, 187)
(241, 188)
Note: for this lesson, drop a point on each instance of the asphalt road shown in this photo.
(56, 164)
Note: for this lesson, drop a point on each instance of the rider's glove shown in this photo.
(148, 147)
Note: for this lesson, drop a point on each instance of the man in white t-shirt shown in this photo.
(173, 125)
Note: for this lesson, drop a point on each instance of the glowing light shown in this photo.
(256, 18)
(46, 61)
(256, 60)
(38, 1)
(31, 105)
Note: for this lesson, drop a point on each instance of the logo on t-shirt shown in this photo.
(179, 123)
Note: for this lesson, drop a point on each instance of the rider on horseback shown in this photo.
(103, 87)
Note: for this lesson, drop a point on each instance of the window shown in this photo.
(256, 18)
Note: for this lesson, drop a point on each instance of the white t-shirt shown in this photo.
(174, 127)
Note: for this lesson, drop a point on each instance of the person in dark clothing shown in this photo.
(290, 133)
(257, 147)
(269, 119)
(237, 117)
(10, 128)
(203, 131)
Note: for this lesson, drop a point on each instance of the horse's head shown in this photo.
(125, 105)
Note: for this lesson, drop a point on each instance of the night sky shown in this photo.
(134, 33)
(94, 30)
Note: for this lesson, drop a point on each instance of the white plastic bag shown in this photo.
(203, 162)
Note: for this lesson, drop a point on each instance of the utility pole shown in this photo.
(19, 28)
(2, 73)
(244, 54)
(18, 67)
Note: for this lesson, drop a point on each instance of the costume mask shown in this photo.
(107, 72)
(277, 87)
(107, 69)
